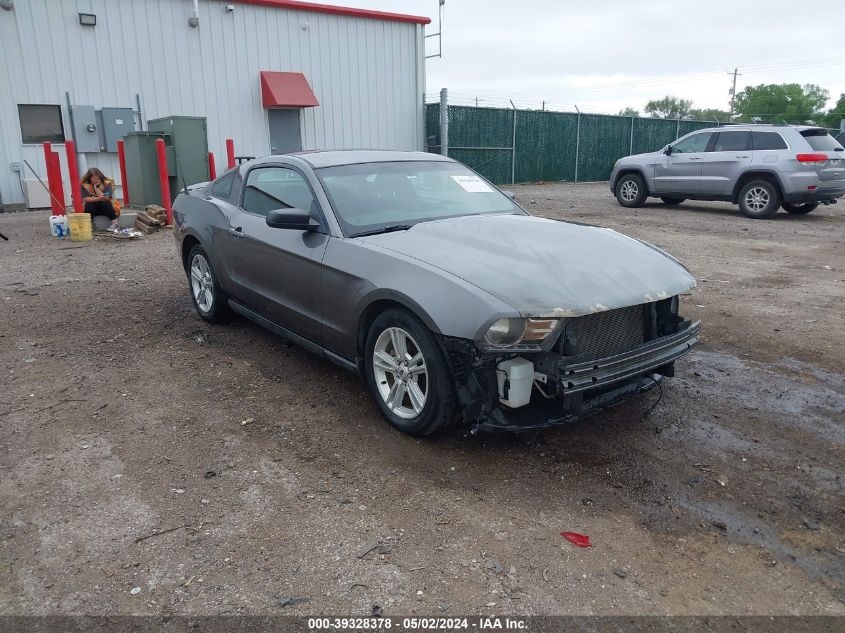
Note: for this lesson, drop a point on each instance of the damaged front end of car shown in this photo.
(532, 373)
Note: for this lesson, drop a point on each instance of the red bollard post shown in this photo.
(55, 207)
(121, 159)
(73, 176)
(230, 152)
(212, 170)
(59, 192)
(164, 181)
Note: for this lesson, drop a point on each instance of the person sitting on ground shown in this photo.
(98, 196)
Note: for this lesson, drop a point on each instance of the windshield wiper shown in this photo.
(384, 229)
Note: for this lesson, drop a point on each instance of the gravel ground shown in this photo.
(153, 464)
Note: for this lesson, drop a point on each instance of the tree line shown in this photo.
(765, 103)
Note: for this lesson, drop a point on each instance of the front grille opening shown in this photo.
(604, 333)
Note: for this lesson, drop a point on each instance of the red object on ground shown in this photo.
(288, 90)
(121, 159)
(73, 176)
(163, 178)
(581, 540)
(212, 170)
(230, 152)
(56, 207)
(59, 190)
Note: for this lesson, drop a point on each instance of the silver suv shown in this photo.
(758, 167)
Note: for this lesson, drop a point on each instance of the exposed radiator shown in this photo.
(607, 333)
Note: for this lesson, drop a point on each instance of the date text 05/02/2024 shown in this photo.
(479, 623)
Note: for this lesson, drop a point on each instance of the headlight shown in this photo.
(508, 332)
(505, 332)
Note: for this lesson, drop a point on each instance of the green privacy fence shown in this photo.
(544, 145)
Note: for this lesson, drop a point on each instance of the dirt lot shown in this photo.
(123, 415)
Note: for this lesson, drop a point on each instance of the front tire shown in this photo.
(667, 200)
(630, 190)
(407, 374)
(210, 301)
(759, 199)
(799, 208)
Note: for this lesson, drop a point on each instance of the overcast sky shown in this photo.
(604, 55)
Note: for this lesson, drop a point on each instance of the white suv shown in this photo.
(758, 167)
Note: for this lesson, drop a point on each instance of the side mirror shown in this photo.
(295, 219)
(668, 150)
(509, 194)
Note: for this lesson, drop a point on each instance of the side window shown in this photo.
(270, 188)
(222, 187)
(691, 144)
(732, 142)
(767, 140)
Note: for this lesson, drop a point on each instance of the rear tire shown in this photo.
(407, 374)
(210, 301)
(759, 199)
(672, 200)
(799, 208)
(630, 191)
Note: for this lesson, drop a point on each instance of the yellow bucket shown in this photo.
(80, 226)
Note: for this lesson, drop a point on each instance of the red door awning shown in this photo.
(286, 90)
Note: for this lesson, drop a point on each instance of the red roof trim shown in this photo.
(330, 8)
(286, 90)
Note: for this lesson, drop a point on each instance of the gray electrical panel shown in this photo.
(117, 123)
(189, 146)
(142, 168)
(85, 129)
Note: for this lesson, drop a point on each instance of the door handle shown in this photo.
(237, 232)
(742, 155)
(695, 157)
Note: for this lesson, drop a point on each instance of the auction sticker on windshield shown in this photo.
(473, 184)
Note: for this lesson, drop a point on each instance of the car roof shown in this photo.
(760, 127)
(334, 158)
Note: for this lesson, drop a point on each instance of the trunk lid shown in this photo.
(823, 145)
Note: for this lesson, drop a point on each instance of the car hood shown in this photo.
(637, 158)
(543, 267)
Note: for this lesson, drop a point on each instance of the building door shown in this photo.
(285, 135)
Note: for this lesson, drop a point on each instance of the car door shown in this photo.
(278, 271)
(680, 171)
(725, 161)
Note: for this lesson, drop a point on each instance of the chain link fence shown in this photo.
(510, 146)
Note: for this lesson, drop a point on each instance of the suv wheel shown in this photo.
(759, 199)
(630, 190)
(672, 200)
(407, 374)
(209, 299)
(799, 208)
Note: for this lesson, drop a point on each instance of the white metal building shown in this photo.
(206, 58)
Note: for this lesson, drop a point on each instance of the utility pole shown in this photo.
(733, 90)
(544, 106)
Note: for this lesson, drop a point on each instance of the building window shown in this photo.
(40, 123)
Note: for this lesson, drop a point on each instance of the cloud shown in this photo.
(615, 53)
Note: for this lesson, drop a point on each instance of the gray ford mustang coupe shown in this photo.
(448, 298)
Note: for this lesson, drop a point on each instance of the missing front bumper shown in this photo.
(582, 387)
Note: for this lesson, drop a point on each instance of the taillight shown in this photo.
(809, 159)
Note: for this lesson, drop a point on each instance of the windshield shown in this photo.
(372, 196)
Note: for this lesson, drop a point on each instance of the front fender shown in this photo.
(358, 276)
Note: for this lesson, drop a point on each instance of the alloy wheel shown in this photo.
(202, 284)
(757, 199)
(629, 191)
(401, 373)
